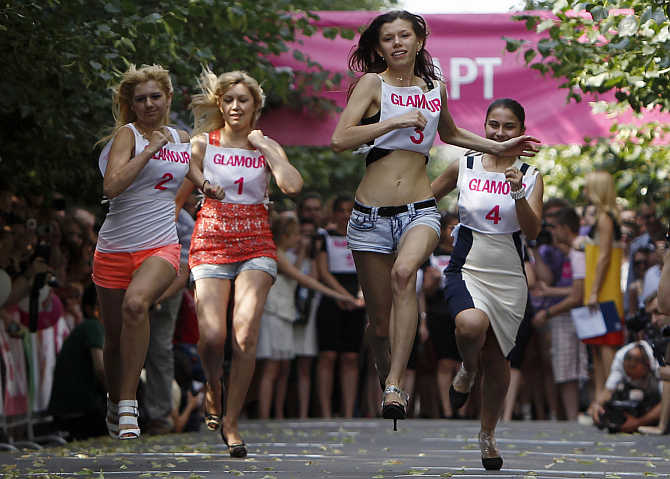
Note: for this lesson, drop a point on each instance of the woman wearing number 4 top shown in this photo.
(500, 197)
(137, 255)
(232, 241)
(398, 106)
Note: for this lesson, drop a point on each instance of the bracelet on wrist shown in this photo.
(518, 194)
(203, 184)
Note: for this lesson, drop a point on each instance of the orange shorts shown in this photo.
(115, 270)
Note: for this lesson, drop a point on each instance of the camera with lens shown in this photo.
(615, 411)
(544, 237)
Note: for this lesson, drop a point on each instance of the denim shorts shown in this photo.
(379, 229)
(231, 270)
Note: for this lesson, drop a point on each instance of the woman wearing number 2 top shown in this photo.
(232, 242)
(397, 107)
(137, 255)
(500, 197)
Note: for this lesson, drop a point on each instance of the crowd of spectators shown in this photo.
(46, 248)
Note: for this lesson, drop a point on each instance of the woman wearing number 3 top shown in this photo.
(500, 197)
(232, 241)
(397, 107)
(137, 254)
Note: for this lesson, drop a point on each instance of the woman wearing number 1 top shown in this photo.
(397, 107)
(500, 198)
(137, 255)
(232, 241)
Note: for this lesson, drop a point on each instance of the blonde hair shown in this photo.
(205, 105)
(124, 92)
(601, 191)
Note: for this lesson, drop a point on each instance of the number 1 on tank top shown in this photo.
(494, 215)
(240, 184)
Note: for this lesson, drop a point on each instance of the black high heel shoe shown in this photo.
(235, 450)
(394, 410)
(457, 398)
(491, 459)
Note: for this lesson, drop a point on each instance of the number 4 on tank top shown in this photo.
(494, 215)
(240, 184)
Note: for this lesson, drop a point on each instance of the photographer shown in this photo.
(632, 394)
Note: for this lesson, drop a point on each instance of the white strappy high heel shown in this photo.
(128, 414)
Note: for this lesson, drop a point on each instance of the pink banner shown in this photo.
(472, 55)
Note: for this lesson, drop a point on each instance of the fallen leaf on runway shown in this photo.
(650, 464)
(446, 474)
(585, 462)
(422, 454)
(308, 463)
(392, 461)
(417, 472)
(362, 451)
(81, 456)
(378, 476)
(650, 474)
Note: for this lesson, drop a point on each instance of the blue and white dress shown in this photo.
(486, 268)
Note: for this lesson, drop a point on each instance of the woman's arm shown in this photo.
(286, 267)
(529, 211)
(325, 275)
(286, 175)
(605, 241)
(446, 182)
(452, 134)
(195, 176)
(121, 168)
(349, 133)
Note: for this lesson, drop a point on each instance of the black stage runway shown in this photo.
(357, 449)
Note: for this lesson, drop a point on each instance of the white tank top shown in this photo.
(395, 101)
(142, 216)
(244, 174)
(340, 259)
(484, 203)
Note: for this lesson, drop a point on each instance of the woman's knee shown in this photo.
(471, 326)
(212, 339)
(403, 277)
(135, 307)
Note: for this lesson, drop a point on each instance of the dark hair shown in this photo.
(447, 217)
(89, 299)
(308, 196)
(569, 218)
(555, 203)
(339, 199)
(365, 58)
(642, 359)
(512, 105)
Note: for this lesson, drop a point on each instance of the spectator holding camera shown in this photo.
(632, 394)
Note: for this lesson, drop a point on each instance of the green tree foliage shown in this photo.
(619, 46)
(61, 56)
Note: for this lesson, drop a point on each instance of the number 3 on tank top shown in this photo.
(240, 185)
(494, 215)
(166, 177)
(418, 140)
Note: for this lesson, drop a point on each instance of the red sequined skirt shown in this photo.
(230, 232)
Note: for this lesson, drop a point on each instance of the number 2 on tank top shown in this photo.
(166, 177)
(418, 140)
(240, 184)
(494, 215)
